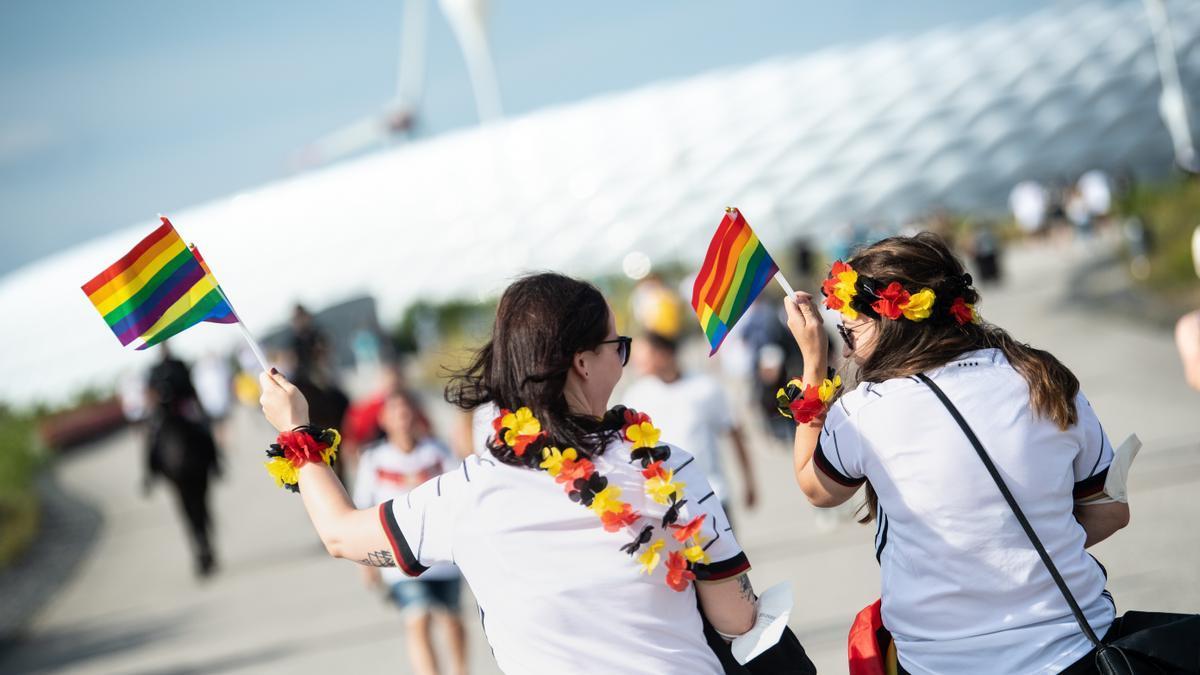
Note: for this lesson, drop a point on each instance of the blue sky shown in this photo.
(113, 111)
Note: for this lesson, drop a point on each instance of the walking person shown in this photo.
(181, 450)
(590, 546)
(963, 590)
(390, 469)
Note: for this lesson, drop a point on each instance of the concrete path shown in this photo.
(280, 605)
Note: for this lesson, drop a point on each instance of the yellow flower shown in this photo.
(696, 553)
(660, 488)
(919, 305)
(651, 557)
(829, 388)
(552, 459)
(607, 500)
(282, 471)
(520, 423)
(643, 435)
(330, 453)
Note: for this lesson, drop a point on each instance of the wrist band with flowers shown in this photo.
(804, 403)
(521, 431)
(293, 449)
(848, 292)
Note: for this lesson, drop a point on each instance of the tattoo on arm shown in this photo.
(746, 588)
(378, 559)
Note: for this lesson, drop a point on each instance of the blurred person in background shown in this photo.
(537, 525)
(1029, 204)
(984, 248)
(361, 424)
(389, 469)
(657, 308)
(1187, 329)
(213, 377)
(180, 448)
(314, 372)
(692, 412)
(963, 590)
(774, 355)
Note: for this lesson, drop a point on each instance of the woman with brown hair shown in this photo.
(962, 588)
(590, 546)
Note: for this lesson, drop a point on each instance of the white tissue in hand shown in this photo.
(774, 610)
(1118, 471)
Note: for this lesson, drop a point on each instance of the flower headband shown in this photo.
(844, 286)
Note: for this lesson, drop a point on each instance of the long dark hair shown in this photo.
(543, 320)
(905, 348)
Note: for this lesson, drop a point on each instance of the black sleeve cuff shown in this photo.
(722, 570)
(1090, 486)
(404, 555)
(828, 469)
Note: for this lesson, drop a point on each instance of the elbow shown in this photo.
(334, 546)
(813, 491)
(1121, 520)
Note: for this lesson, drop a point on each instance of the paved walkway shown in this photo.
(281, 605)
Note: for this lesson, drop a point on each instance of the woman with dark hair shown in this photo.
(963, 589)
(590, 546)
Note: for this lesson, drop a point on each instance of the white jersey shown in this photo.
(692, 412)
(963, 588)
(386, 472)
(556, 593)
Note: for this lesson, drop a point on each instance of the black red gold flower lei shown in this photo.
(293, 449)
(804, 403)
(842, 288)
(520, 430)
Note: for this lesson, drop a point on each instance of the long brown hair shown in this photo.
(904, 348)
(542, 321)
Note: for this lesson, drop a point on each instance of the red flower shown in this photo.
(684, 532)
(678, 575)
(828, 287)
(808, 407)
(299, 448)
(962, 312)
(496, 425)
(523, 442)
(891, 301)
(613, 522)
(654, 469)
(574, 469)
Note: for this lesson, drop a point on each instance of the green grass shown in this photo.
(20, 457)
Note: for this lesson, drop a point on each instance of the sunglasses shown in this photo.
(847, 335)
(623, 343)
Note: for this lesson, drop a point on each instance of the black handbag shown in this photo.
(1139, 642)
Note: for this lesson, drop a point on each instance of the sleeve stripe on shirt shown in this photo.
(466, 474)
(681, 466)
(722, 570)
(827, 468)
(404, 555)
(1091, 485)
(705, 497)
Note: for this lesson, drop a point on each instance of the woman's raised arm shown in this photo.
(347, 532)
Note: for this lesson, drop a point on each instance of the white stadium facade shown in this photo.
(885, 130)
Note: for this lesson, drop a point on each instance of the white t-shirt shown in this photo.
(691, 412)
(386, 472)
(963, 588)
(555, 591)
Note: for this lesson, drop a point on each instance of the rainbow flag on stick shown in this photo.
(159, 289)
(736, 269)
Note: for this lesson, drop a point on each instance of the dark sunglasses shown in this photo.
(847, 336)
(623, 343)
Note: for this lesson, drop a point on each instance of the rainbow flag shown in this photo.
(157, 290)
(736, 269)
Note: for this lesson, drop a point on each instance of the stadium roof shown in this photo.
(884, 130)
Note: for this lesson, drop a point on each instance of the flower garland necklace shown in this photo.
(522, 432)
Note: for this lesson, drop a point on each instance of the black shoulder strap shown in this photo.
(1012, 504)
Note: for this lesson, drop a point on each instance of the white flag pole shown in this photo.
(787, 288)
